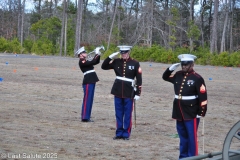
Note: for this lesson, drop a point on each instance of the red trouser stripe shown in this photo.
(195, 135)
(85, 101)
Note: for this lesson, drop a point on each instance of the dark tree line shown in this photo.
(61, 27)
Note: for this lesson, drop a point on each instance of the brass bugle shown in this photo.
(92, 54)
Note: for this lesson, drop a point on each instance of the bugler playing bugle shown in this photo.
(89, 80)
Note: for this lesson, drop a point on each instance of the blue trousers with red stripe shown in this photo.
(187, 131)
(88, 90)
(123, 113)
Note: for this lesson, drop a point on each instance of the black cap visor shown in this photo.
(185, 63)
(123, 52)
(83, 52)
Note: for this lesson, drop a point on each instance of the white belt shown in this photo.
(126, 79)
(186, 97)
(90, 71)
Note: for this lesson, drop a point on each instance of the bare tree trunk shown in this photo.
(55, 7)
(106, 7)
(203, 2)
(119, 21)
(213, 43)
(150, 27)
(22, 24)
(129, 18)
(19, 20)
(223, 43)
(137, 8)
(63, 26)
(231, 30)
(114, 15)
(191, 19)
(165, 27)
(169, 26)
(210, 20)
(84, 19)
(50, 8)
(39, 8)
(78, 26)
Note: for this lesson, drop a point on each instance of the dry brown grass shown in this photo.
(41, 104)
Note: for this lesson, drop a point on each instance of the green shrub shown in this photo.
(224, 59)
(168, 57)
(47, 48)
(15, 46)
(156, 53)
(10, 46)
(214, 60)
(4, 44)
(203, 55)
(159, 54)
(43, 47)
(221, 60)
(36, 48)
(137, 53)
(27, 44)
(235, 59)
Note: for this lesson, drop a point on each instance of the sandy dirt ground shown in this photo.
(40, 107)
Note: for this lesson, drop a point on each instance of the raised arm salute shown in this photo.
(126, 70)
(190, 102)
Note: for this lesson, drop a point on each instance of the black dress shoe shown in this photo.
(125, 138)
(87, 120)
(239, 133)
(116, 138)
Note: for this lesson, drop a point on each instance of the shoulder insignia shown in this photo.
(202, 89)
(140, 70)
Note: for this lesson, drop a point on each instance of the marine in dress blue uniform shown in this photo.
(126, 70)
(89, 82)
(189, 104)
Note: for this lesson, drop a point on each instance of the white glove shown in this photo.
(136, 97)
(113, 55)
(174, 66)
(97, 51)
(199, 116)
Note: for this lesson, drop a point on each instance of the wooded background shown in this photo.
(61, 26)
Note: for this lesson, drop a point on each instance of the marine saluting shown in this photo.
(190, 102)
(126, 70)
